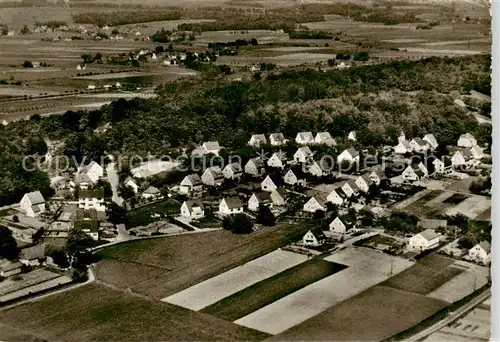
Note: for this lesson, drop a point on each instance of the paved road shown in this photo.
(113, 180)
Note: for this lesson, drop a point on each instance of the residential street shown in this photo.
(113, 180)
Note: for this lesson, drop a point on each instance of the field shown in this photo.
(99, 313)
(142, 216)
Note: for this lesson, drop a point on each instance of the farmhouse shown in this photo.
(431, 140)
(259, 198)
(32, 204)
(336, 196)
(32, 256)
(277, 139)
(151, 193)
(131, 183)
(350, 155)
(314, 204)
(192, 210)
(232, 171)
(277, 160)
(481, 252)
(212, 176)
(295, 176)
(403, 147)
(324, 138)
(278, 197)
(257, 140)
(424, 240)
(412, 173)
(363, 182)
(269, 184)
(314, 238)
(466, 140)
(419, 145)
(304, 138)
(255, 167)
(191, 184)
(462, 157)
(342, 224)
(10, 268)
(91, 199)
(303, 154)
(230, 206)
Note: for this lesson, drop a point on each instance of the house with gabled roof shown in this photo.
(192, 210)
(426, 239)
(324, 138)
(342, 224)
(33, 204)
(277, 139)
(363, 182)
(350, 188)
(413, 173)
(91, 199)
(230, 206)
(232, 171)
(8, 268)
(431, 140)
(378, 177)
(88, 175)
(191, 184)
(481, 252)
(257, 140)
(466, 140)
(212, 176)
(295, 176)
(462, 157)
(32, 256)
(279, 197)
(403, 147)
(302, 154)
(336, 196)
(314, 238)
(315, 203)
(419, 145)
(255, 167)
(277, 160)
(316, 170)
(269, 183)
(211, 147)
(304, 138)
(352, 136)
(350, 155)
(89, 227)
(130, 182)
(477, 152)
(259, 198)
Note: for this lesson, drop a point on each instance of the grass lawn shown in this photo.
(206, 223)
(456, 199)
(270, 290)
(142, 216)
(98, 313)
(372, 315)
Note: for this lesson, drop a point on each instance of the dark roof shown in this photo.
(348, 220)
(190, 204)
(263, 196)
(34, 252)
(151, 190)
(89, 214)
(97, 193)
(353, 152)
(281, 192)
(318, 233)
(87, 226)
(233, 202)
(194, 179)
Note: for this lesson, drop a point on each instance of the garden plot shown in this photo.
(366, 269)
(214, 289)
(471, 207)
(439, 199)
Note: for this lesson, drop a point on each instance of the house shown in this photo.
(278, 197)
(316, 170)
(314, 238)
(295, 176)
(257, 140)
(403, 147)
(131, 183)
(462, 157)
(212, 176)
(32, 204)
(211, 147)
(151, 193)
(324, 138)
(269, 184)
(481, 252)
(419, 145)
(278, 160)
(466, 140)
(423, 168)
(232, 171)
(438, 165)
(277, 139)
(424, 240)
(477, 152)
(378, 177)
(89, 227)
(10, 268)
(303, 154)
(192, 210)
(259, 198)
(413, 173)
(350, 155)
(32, 256)
(350, 188)
(342, 224)
(91, 199)
(401, 137)
(255, 167)
(91, 87)
(336, 196)
(363, 182)
(304, 138)
(230, 206)
(88, 175)
(431, 140)
(314, 204)
(352, 136)
(191, 184)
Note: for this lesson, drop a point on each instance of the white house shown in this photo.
(232, 171)
(401, 137)
(350, 188)
(423, 168)
(324, 138)
(91, 199)
(131, 183)
(413, 173)
(377, 177)
(268, 184)
(363, 182)
(259, 198)
(257, 140)
(350, 155)
(431, 140)
(277, 160)
(466, 140)
(151, 193)
(255, 167)
(294, 176)
(481, 252)
(477, 152)
(211, 147)
(342, 224)
(191, 184)
(230, 206)
(424, 240)
(316, 170)
(352, 136)
(33, 204)
(278, 197)
(462, 157)
(419, 145)
(304, 138)
(336, 196)
(277, 139)
(315, 203)
(403, 147)
(302, 154)
(91, 87)
(439, 166)
(314, 238)
(192, 210)
(32, 256)
(212, 176)
(89, 227)
(88, 175)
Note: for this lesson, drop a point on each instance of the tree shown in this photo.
(126, 192)
(25, 30)
(115, 213)
(362, 56)
(227, 223)
(332, 62)
(8, 245)
(265, 216)
(466, 242)
(87, 58)
(27, 64)
(15, 218)
(159, 49)
(78, 242)
(241, 224)
(59, 258)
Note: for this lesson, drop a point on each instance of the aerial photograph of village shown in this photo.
(245, 170)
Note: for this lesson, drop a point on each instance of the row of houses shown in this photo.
(302, 138)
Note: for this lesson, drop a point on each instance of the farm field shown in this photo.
(95, 310)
